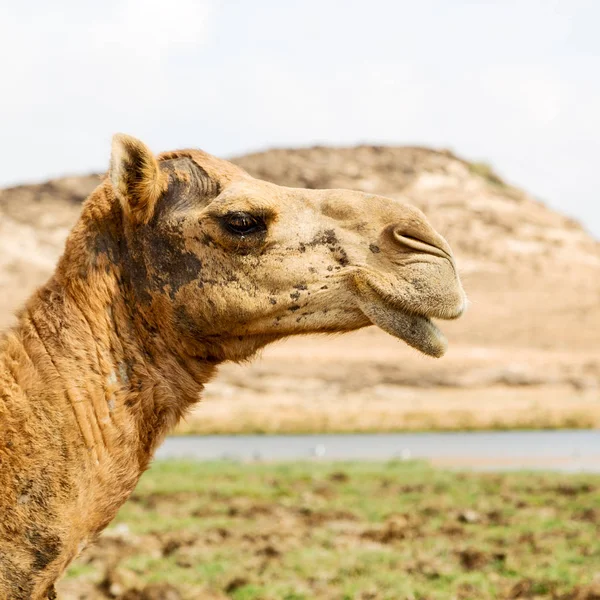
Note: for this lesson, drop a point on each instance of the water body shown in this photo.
(574, 451)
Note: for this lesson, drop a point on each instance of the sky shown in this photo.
(515, 83)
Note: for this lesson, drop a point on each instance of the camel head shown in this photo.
(222, 263)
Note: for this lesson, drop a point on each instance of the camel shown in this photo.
(178, 263)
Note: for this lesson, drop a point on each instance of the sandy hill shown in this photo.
(532, 274)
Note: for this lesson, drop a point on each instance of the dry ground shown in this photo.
(396, 531)
(369, 381)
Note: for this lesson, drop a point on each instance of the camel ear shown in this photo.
(136, 177)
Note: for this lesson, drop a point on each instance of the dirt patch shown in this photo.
(388, 531)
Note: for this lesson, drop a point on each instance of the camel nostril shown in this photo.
(421, 240)
(401, 233)
(405, 236)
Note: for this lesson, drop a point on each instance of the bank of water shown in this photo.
(564, 450)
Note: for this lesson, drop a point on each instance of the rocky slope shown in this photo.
(532, 274)
(34, 222)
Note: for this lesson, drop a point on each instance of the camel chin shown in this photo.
(417, 331)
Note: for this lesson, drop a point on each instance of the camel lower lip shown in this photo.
(416, 330)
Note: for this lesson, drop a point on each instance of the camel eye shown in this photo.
(241, 223)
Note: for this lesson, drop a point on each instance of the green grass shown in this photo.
(352, 531)
(487, 172)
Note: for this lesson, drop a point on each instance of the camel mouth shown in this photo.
(417, 330)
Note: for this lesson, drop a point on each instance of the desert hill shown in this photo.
(532, 334)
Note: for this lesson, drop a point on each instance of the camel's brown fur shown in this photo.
(153, 291)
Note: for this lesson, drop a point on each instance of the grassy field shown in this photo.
(365, 531)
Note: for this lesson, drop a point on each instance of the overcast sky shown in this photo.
(512, 82)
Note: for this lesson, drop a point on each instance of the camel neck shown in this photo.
(126, 387)
(85, 402)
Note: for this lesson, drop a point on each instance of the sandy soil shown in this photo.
(368, 381)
